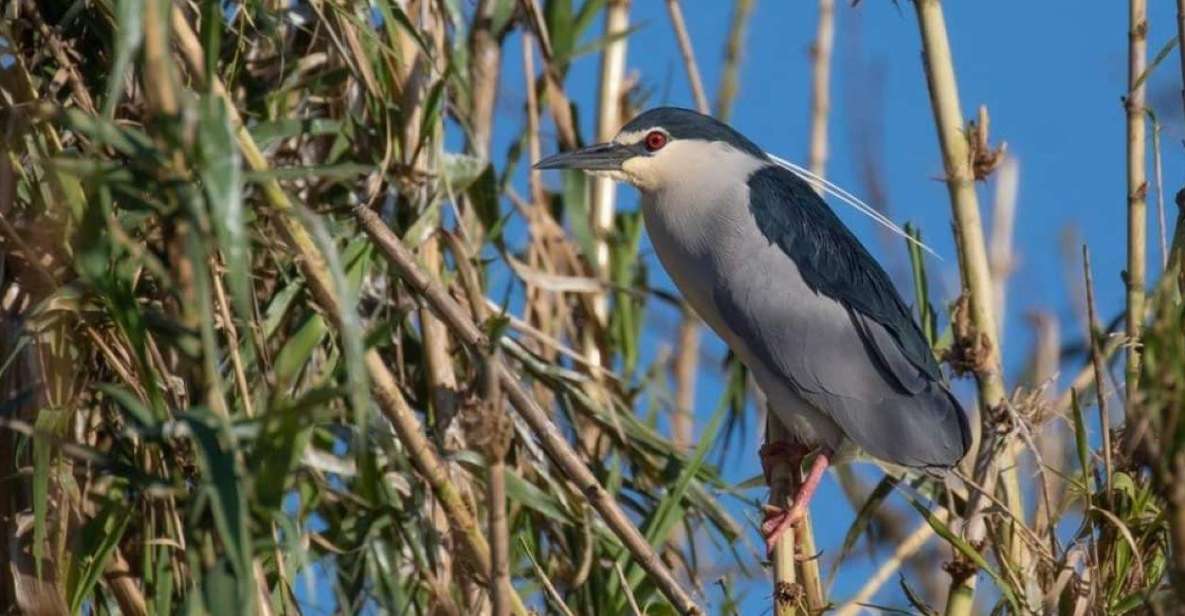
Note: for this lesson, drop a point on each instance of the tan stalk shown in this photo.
(1137, 188)
(686, 363)
(973, 264)
(604, 190)
(1000, 251)
(684, 40)
(686, 366)
(316, 273)
(496, 436)
(1096, 361)
(730, 76)
(787, 595)
(821, 86)
(485, 59)
(552, 441)
(1180, 47)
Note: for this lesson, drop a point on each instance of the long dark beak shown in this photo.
(599, 157)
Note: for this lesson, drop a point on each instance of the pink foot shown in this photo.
(778, 520)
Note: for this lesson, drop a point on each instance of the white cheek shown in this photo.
(641, 172)
(617, 176)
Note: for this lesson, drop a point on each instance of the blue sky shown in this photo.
(1051, 74)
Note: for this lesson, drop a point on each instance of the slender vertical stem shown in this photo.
(534, 148)
(729, 78)
(687, 347)
(604, 192)
(787, 591)
(485, 53)
(821, 85)
(684, 39)
(1180, 45)
(686, 367)
(1137, 188)
(973, 260)
(1161, 225)
(1003, 217)
(1096, 360)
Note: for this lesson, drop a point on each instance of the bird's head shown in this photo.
(661, 147)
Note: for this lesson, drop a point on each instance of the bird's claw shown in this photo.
(776, 522)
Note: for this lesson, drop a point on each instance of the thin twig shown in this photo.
(1096, 361)
(629, 592)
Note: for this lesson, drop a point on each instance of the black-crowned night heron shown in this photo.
(772, 270)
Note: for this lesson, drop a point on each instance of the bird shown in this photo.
(769, 267)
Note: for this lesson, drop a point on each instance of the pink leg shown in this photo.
(778, 521)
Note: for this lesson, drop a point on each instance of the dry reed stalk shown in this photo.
(688, 53)
(1096, 361)
(1137, 188)
(730, 75)
(1000, 250)
(603, 208)
(787, 592)
(687, 345)
(1180, 47)
(821, 86)
(1137, 192)
(973, 262)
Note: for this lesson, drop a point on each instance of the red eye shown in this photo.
(655, 140)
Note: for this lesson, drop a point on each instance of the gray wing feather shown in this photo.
(810, 298)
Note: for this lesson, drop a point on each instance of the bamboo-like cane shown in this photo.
(603, 208)
(1137, 187)
(973, 260)
(686, 362)
(787, 592)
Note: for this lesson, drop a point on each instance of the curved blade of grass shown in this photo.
(129, 32)
(221, 172)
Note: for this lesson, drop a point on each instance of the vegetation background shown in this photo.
(288, 326)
